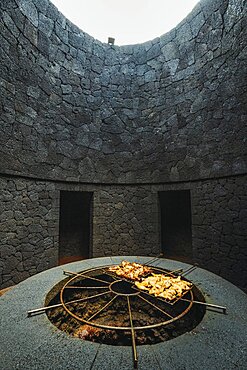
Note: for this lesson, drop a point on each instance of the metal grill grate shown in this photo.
(112, 288)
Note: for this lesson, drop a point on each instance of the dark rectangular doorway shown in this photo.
(75, 226)
(175, 224)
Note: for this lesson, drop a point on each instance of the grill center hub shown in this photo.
(122, 287)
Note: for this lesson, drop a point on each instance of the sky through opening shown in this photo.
(128, 21)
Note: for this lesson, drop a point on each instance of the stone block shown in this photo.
(28, 8)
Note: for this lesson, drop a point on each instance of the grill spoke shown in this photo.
(87, 298)
(132, 333)
(152, 304)
(102, 309)
(86, 276)
(207, 304)
(43, 309)
(109, 274)
(173, 272)
(188, 270)
(157, 298)
(86, 287)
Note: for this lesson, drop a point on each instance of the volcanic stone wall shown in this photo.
(219, 227)
(125, 221)
(123, 122)
(77, 109)
(28, 233)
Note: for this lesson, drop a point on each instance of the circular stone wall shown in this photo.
(124, 123)
(170, 109)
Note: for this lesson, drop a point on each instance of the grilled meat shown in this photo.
(132, 271)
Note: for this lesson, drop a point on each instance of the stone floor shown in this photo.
(4, 291)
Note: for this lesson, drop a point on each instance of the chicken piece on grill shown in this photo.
(141, 286)
(164, 286)
(132, 271)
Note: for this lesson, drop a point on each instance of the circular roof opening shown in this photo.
(128, 22)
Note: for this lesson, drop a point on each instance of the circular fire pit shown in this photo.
(27, 343)
(100, 307)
